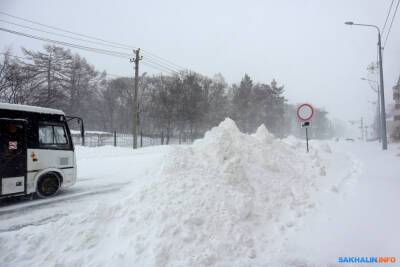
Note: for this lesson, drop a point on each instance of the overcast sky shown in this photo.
(303, 44)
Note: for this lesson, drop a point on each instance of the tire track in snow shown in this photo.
(45, 202)
(42, 221)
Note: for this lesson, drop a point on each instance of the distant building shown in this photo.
(395, 128)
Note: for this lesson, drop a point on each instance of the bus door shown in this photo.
(13, 157)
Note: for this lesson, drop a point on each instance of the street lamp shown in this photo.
(376, 90)
(382, 90)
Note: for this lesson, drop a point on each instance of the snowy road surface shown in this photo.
(362, 222)
(217, 203)
(102, 174)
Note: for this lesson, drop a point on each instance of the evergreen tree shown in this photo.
(241, 103)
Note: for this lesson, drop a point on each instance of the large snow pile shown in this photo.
(226, 200)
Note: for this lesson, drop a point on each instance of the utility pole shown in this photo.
(135, 104)
(379, 116)
(382, 91)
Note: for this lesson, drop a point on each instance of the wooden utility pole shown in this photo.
(135, 105)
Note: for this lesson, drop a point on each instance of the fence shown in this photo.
(96, 138)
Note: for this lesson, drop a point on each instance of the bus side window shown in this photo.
(53, 136)
(46, 134)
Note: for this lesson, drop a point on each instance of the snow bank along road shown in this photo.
(230, 199)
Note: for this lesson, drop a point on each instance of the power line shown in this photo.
(90, 41)
(115, 44)
(58, 34)
(63, 30)
(86, 48)
(150, 62)
(158, 68)
(387, 16)
(90, 49)
(28, 64)
(391, 23)
(163, 59)
(161, 66)
(151, 65)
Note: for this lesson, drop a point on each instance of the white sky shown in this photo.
(304, 44)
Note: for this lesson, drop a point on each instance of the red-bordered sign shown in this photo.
(305, 112)
(12, 145)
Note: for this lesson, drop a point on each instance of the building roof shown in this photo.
(30, 108)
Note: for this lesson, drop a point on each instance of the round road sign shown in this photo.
(305, 112)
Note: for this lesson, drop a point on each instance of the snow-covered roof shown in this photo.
(30, 108)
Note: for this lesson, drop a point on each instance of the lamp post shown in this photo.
(376, 90)
(382, 90)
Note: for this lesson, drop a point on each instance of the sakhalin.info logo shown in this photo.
(367, 260)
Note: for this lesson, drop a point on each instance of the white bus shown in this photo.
(36, 151)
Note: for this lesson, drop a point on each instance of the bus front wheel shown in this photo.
(48, 185)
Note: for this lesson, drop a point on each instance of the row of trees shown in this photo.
(53, 78)
(185, 104)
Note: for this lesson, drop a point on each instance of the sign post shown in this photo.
(307, 138)
(304, 113)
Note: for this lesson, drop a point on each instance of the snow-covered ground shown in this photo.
(230, 199)
(359, 221)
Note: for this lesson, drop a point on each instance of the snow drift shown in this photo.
(226, 200)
